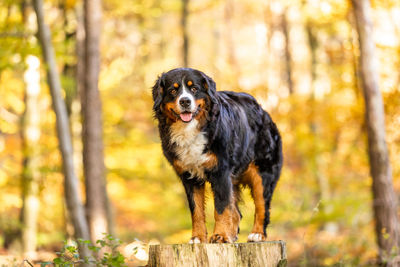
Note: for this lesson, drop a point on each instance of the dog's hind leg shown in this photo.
(269, 180)
(253, 179)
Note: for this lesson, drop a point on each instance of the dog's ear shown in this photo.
(210, 86)
(158, 90)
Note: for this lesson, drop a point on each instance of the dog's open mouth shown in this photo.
(186, 116)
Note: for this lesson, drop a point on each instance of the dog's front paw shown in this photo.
(222, 238)
(195, 240)
(256, 237)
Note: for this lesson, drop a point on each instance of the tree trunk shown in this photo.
(80, 52)
(270, 25)
(287, 53)
(31, 174)
(185, 45)
(71, 184)
(266, 254)
(385, 202)
(92, 126)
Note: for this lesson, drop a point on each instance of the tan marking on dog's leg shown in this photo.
(225, 229)
(199, 230)
(252, 178)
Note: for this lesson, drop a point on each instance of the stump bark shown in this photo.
(272, 253)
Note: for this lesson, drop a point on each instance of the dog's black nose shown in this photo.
(185, 102)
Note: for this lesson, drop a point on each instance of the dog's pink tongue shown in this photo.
(186, 117)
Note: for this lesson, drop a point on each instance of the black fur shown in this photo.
(238, 130)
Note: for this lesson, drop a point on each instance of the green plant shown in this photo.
(105, 253)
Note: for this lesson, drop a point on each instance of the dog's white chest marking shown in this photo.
(189, 146)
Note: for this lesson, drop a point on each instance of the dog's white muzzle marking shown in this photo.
(186, 93)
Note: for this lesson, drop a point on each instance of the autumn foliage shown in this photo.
(298, 58)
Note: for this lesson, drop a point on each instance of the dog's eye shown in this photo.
(173, 92)
(193, 89)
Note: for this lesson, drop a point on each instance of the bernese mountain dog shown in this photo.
(221, 137)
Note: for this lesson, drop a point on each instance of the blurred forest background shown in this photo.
(299, 59)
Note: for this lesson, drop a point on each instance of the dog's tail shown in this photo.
(269, 147)
(269, 160)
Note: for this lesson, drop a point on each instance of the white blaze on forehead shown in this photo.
(186, 93)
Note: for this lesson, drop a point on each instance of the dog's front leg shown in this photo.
(195, 194)
(226, 215)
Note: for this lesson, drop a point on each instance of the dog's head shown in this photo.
(183, 94)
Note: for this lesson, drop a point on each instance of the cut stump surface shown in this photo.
(271, 253)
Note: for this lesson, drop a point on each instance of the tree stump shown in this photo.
(272, 253)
